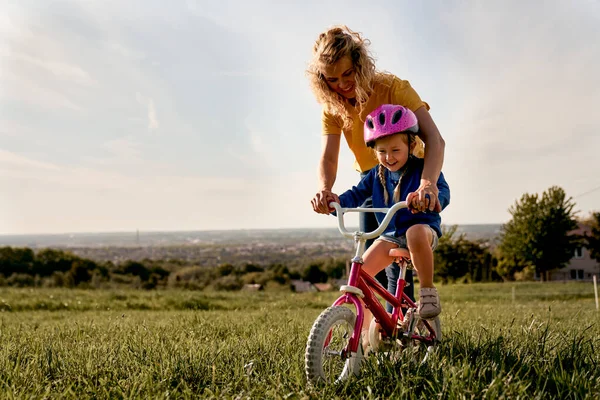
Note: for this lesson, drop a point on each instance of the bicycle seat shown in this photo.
(399, 253)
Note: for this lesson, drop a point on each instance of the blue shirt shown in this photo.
(370, 186)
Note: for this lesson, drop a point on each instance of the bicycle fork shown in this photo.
(352, 295)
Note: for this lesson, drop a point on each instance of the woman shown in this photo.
(346, 83)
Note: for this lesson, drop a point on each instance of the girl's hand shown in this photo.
(425, 198)
(320, 203)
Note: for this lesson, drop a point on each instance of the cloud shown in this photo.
(76, 177)
(80, 199)
(17, 87)
(10, 128)
(10, 160)
(149, 103)
(125, 51)
(60, 70)
(121, 151)
(242, 74)
(521, 94)
(512, 85)
(152, 120)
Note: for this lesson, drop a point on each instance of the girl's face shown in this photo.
(392, 151)
(340, 77)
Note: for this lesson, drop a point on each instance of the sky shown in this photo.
(197, 115)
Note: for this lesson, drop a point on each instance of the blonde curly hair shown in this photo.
(335, 43)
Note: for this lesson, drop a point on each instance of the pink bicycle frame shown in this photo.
(363, 285)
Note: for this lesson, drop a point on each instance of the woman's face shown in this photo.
(340, 77)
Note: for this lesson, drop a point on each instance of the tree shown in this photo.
(456, 257)
(314, 274)
(538, 235)
(80, 271)
(249, 267)
(49, 260)
(593, 241)
(335, 267)
(225, 269)
(136, 269)
(15, 260)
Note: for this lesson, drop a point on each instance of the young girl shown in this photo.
(390, 131)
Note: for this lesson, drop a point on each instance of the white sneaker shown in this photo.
(429, 303)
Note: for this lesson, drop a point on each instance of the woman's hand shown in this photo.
(320, 203)
(425, 198)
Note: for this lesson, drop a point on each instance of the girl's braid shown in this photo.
(410, 138)
(381, 174)
(397, 188)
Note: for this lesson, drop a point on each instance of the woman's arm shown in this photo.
(328, 165)
(434, 159)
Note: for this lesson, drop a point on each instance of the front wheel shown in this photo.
(327, 358)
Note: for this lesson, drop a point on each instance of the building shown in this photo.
(582, 266)
(301, 286)
(323, 287)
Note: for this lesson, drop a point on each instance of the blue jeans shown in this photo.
(389, 277)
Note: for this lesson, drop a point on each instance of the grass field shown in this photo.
(63, 343)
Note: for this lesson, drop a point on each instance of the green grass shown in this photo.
(60, 343)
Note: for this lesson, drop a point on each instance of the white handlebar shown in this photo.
(366, 235)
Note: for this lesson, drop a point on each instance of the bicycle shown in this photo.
(334, 350)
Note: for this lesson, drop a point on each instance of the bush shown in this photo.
(314, 274)
(136, 269)
(48, 261)
(335, 268)
(252, 268)
(99, 280)
(252, 277)
(80, 272)
(225, 269)
(194, 277)
(20, 280)
(15, 260)
(152, 282)
(229, 282)
(526, 274)
(125, 279)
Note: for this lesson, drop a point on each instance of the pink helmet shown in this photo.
(388, 119)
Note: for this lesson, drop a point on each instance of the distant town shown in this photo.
(211, 248)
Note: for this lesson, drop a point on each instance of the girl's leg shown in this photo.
(419, 239)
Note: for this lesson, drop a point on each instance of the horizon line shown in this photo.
(138, 231)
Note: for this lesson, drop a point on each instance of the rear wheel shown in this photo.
(327, 359)
(418, 350)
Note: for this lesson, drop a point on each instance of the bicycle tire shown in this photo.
(413, 348)
(328, 364)
(418, 349)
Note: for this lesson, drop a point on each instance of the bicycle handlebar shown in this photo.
(366, 235)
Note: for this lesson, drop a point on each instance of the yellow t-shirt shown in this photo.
(387, 90)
